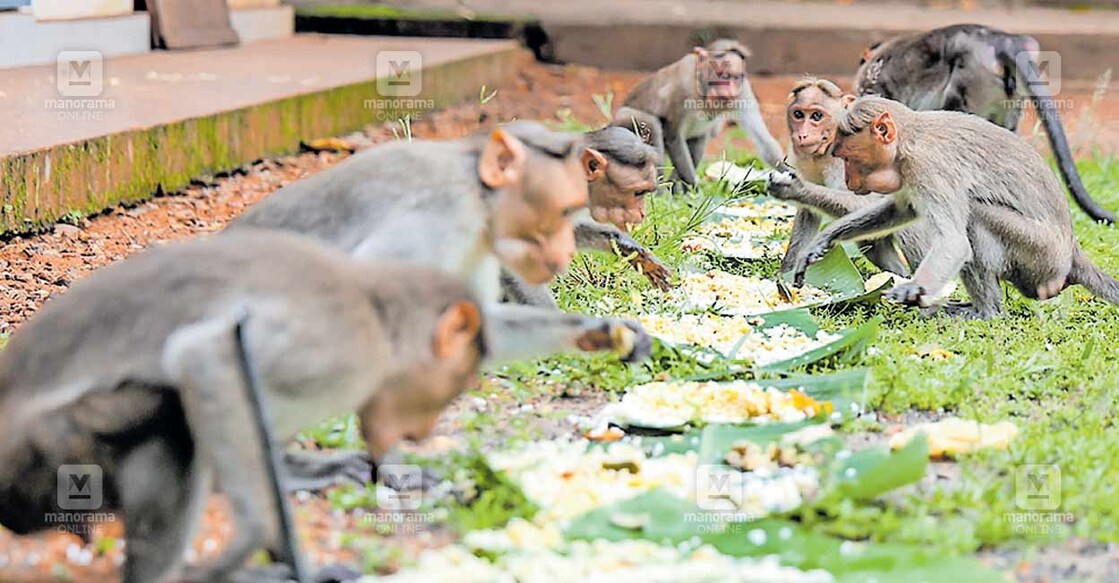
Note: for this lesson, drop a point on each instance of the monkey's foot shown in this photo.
(908, 294)
(656, 272)
(319, 470)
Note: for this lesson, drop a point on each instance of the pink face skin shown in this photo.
(869, 157)
(811, 119)
(617, 197)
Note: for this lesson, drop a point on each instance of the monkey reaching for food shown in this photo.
(138, 370)
(500, 199)
(988, 217)
(815, 106)
(621, 170)
(680, 107)
(978, 70)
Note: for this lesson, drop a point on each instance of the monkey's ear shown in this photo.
(700, 52)
(502, 161)
(456, 330)
(594, 164)
(884, 129)
(847, 100)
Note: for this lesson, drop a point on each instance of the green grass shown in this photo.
(1049, 367)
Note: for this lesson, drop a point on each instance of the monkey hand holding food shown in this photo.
(658, 274)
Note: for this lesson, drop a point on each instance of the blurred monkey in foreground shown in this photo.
(142, 369)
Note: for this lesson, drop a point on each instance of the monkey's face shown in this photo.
(408, 404)
(870, 157)
(531, 222)
(618, 197)
(720, 74)
(811, 118)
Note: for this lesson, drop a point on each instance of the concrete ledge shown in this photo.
(25, 41)
(175, 116)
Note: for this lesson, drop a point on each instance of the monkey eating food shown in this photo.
(138, 369)
(622, 171)
(680, 107)
(976, 69)
(815, 106)
(991, 217)
(471, 207)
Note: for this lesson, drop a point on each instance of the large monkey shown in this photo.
(622, 171)
(142, 370)
(681, 106)
(975, 69)
(815, 106)
(501, 199)
(991, 217)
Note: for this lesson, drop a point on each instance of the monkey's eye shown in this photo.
(817, 116)
(798, 114)
(642, 193)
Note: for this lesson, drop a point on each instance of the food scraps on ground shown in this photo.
(952, 436)
(761, 345)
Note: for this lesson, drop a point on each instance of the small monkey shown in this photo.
(622, 171)
(681, 106)
(142, 369)
(988, 217)
(500, 199)
(815, 105)
(974, 69)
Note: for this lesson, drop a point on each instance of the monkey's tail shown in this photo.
(1019, 50)
(1087, 274)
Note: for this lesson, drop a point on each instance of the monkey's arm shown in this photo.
(202, 361)
(597, 236)
(750, 118)
(515, 332)
(830, 201)
(805, 226)
(678, 153)
(940, 266)
(889, 215)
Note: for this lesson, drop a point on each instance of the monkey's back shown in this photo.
(988, 163)
(110, 327)
(344, 204)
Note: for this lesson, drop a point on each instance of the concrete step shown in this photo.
(152, 122)
(823, 38)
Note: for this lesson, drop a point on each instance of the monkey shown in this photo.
(622, 171)
(681, 106)
(142, 369)
(814, 107)
(991, 217)
(975, 69)
(498, 199)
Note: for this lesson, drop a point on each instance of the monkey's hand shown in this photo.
(659, 274)
(908, 294)
(625, 337)
(783, 184)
